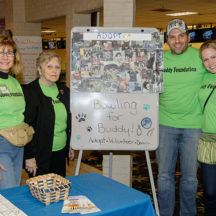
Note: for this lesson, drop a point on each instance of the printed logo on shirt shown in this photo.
(207, 86)
(56, 101)
(176, 70)
(4, 90)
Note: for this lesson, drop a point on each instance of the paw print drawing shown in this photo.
(81, 117)
(78, 137)
(146, 106)
(89, 128)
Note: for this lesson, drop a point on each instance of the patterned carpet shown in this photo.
(140, 177)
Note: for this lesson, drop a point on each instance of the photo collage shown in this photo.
(117, 66)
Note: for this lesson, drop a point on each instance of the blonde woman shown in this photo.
(207, 144)
(12, 106)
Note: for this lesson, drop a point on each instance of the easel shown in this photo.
(109, 118)
(110, 174)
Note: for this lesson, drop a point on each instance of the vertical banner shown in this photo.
(29, 47)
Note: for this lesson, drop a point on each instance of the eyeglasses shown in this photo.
(8, 54)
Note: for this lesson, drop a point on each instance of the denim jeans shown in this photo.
(174, 141)
(209, 184)
(11, 157)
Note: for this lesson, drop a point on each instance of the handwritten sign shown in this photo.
(117, 36)
(116, 75)
(29, 47)
(114, 121)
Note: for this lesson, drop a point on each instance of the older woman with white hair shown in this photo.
(47, 110)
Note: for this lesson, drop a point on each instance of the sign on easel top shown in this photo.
(116, 60)
(116, 75)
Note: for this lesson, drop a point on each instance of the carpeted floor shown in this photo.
(140, 177)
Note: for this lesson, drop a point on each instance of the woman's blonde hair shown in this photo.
(207, 44)
(6, 41)
(46, 56)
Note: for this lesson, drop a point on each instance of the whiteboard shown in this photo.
(114, 121)
(115, 79)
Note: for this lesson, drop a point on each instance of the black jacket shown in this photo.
(40, 114)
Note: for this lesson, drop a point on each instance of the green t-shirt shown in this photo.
(183, 75)
(209, 115)
(60, 136)
(12, 103)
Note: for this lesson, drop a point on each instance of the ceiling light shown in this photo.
(182, 13)
(48, 31)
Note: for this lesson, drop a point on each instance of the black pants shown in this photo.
(57, 164)
(209, 185)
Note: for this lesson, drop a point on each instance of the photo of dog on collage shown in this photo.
(117, 66)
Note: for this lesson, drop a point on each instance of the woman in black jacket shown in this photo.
(47, 110)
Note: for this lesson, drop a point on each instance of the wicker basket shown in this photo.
(49, 188)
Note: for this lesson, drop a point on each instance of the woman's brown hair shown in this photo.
(6, 41)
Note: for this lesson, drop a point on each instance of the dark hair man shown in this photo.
(180, 121)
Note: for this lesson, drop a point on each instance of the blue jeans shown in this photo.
(209, 185)
(11, 157)
(171, 142)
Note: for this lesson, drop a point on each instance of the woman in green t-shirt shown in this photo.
(207, 144)
(47, 110)
(12, 105)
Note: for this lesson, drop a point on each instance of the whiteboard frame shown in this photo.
(134, 30)
(128, 30)
(86, 29)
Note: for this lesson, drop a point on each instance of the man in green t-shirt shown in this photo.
(180, 121)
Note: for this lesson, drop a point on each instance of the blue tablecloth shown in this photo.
(113, 198)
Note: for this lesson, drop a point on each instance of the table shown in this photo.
(112, 197)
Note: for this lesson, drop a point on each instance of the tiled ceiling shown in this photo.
(153, 14)
(56, 25)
